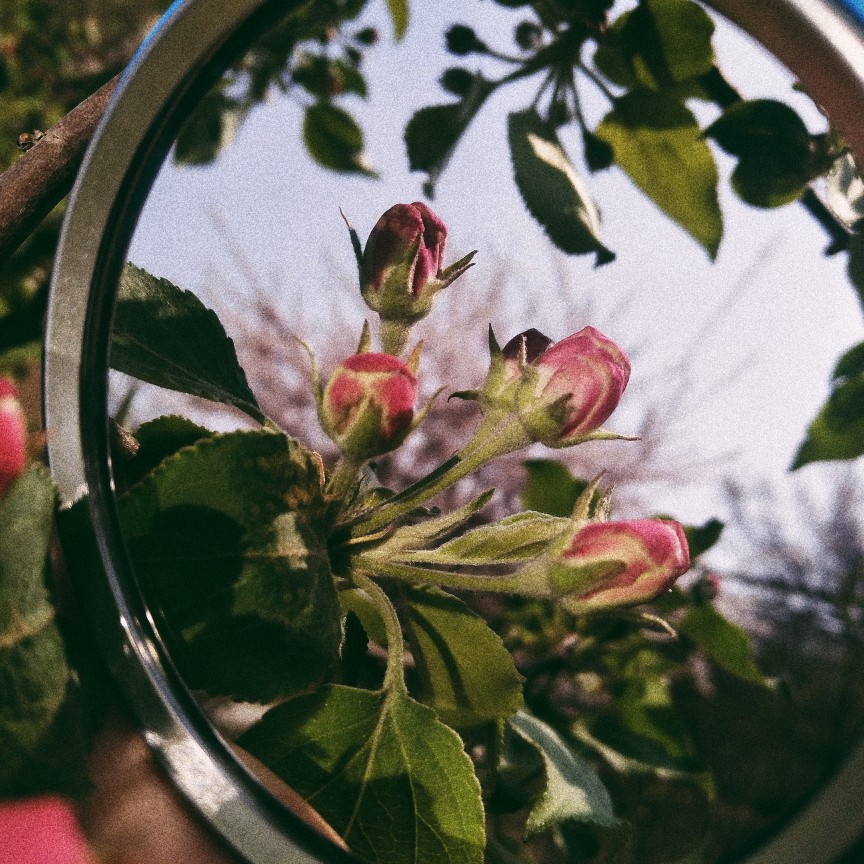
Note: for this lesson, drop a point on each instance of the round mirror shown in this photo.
(272, 504)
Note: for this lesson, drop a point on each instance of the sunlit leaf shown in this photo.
(210, 128)
(399, 15)
(159, 438)
(553, 191)
(511, 540)
(392, 780)
(446, 640)
(657, 141)
(700, 538)
(168, 337)
(572, 789)
(658, 44)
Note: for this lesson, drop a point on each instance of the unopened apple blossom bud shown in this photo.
(568, 390)
(42, 830)
(611, 564)
(13, 435)
(367, 407)
(401, 265)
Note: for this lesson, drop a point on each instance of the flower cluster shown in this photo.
(557, 394)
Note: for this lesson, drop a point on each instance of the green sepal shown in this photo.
(566, 579)
(513, 540)
(412, 537)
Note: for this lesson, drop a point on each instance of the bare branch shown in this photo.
(43, 176)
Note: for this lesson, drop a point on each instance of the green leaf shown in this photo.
(659, 44)
(572, 789)
(225, 538)
(700, 538)
(553, 192)
(855, 265)
(727, 644)
(684, 31)
(334, 139)
(160, 438)
(209, 130)
(446, 640)
(850, 363)
(390, 778)
(773, 146)
(550, 487)
(838, 430)
(168, 337)
(628, 752)
(657, 141)
(512, 540)
(33, 671)
(399, 15)
(432, 133)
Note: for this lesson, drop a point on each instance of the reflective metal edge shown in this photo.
(121, 162)
(824, 46)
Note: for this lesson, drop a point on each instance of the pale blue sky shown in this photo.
(769, 318)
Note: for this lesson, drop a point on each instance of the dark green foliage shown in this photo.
(166, 336)
(334, 139)
(225, 538)
(33, 671)
(777, 157)
(837, 432)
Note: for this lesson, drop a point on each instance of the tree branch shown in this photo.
(43, 176)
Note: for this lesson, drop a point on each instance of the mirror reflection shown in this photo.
(371, 285)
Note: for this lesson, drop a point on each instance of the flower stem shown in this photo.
(394, 336)
(496, 436)
(394, 678)
(343, 476)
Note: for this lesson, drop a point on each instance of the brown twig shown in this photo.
(43, 176)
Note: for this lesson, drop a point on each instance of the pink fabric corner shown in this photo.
(41, 831)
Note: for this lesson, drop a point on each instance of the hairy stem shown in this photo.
(394, 679)
(496, 436)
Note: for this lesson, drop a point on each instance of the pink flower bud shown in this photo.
(13, 435)
(401, 266)
(42, 831)
(368, 404)
(569, 390)
(609, 564)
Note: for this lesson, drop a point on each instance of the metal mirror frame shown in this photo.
(189, 48)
